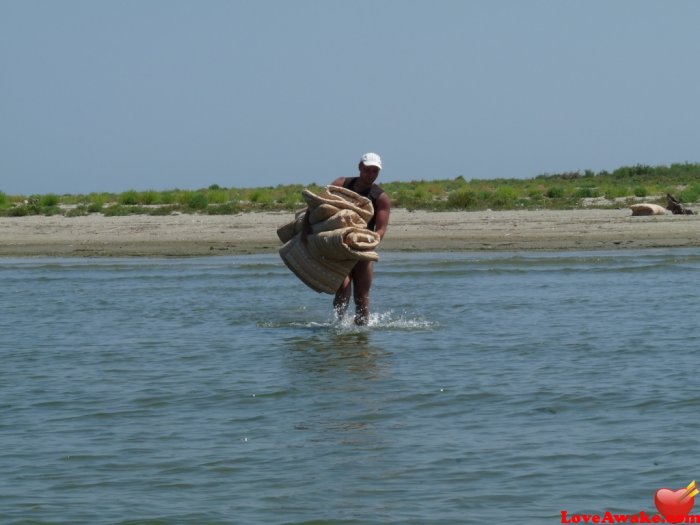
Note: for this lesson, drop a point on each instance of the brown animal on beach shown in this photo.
(675, 206)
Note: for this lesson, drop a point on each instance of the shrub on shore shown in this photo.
(195, 200)
(229, 208)
(49, 200)
(568, 190)
(690, 194)
(129, 198)
(463, 198)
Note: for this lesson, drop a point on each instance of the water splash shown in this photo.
(388, 320)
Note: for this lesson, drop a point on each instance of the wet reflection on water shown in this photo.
(340, 373)
(337, 352)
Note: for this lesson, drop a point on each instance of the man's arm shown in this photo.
(381, 215)
(338, 182)
(306, 227)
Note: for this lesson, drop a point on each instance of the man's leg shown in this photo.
(342, 297)
(362, 282)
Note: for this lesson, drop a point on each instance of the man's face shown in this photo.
(368, 173)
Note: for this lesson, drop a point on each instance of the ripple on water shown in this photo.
(485, 388)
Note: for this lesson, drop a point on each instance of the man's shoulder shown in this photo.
(377, 191)
(382, 197)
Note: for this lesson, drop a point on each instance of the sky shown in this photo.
(112, 95)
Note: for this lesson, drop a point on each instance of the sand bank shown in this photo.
(191, 235)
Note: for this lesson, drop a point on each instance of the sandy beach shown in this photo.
(196, 235)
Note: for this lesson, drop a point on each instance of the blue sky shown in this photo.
(162, 94)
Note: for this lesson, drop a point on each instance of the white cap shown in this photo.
(371, 159)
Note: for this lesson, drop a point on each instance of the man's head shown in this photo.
(370, 164)
(371, 159)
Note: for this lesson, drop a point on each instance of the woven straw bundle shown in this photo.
(339, 238)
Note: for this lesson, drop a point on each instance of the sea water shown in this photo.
(487, 388)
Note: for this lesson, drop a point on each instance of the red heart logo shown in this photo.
(673, 505)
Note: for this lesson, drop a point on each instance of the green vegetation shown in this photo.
(572, 190)
(558, 191)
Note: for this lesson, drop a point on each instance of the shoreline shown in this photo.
(255, 233)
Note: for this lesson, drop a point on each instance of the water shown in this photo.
(488, 388)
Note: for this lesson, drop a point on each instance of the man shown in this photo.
(359, 281)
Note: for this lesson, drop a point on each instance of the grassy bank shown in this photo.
(615, 189)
